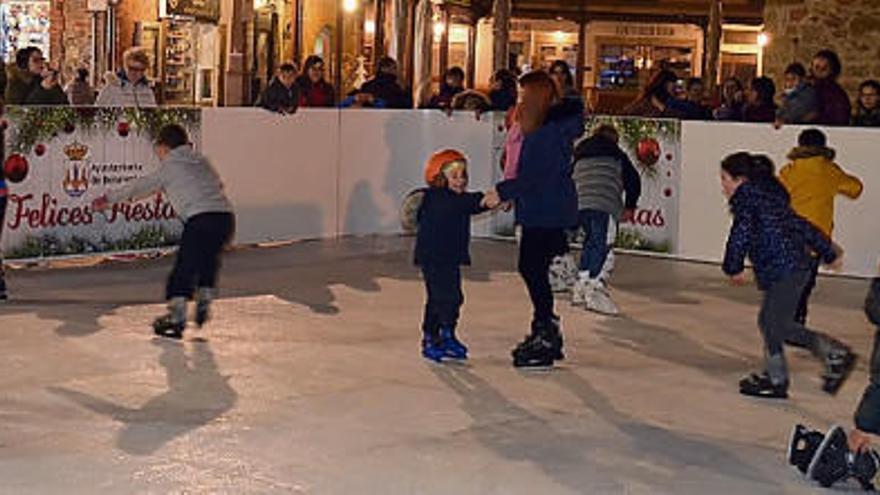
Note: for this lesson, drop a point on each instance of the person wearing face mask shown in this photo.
(868, 107)
(799, 105)
(834, 105)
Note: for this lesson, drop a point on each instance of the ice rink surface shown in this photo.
(309, 380)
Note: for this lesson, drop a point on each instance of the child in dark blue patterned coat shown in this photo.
(777, 242)
(442, 247)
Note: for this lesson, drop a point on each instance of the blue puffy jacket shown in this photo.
(771, 234)
(543, 190)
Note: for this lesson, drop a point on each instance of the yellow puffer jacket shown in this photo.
(813, 180)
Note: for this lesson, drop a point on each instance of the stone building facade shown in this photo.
(799, 28)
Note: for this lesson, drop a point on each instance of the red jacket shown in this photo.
(321, 94)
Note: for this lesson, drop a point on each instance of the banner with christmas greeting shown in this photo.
(58, 159)
(654, 147)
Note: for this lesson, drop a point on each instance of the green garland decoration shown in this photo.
(32, 125)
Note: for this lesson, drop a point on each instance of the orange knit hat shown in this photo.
(435, 164)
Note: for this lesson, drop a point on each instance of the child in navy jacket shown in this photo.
(778, 243)
(442, 247)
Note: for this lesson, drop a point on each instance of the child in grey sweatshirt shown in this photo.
(196, 193)
(608, 187)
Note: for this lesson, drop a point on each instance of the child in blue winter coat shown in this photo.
(442, 248)
(778, 243)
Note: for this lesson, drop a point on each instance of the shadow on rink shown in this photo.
(302, 273)
(197, 394)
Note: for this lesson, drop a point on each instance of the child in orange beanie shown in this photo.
(442, 247)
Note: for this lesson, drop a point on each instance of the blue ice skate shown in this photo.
(452, 347)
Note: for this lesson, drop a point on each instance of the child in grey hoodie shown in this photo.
(196, 193)
(608, 188)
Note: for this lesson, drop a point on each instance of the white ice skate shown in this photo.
(598, 299)
(563, 273)
(580, 292)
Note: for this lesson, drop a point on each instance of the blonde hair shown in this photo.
(137, 54)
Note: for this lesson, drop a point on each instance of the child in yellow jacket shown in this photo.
(813, 180)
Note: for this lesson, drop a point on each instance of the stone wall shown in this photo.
(70, 33)
(799, 28)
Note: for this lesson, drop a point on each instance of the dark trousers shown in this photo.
(595, 250)
(778, 326)
(537, 249)
(868, 414)
(445, 297)
(801, 315)
(198, 257)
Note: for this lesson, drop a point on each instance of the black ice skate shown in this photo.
(760, 385)
(839, 364)
(864, 468)
(541, 348)
(802, 446)
(831, 462)
(172, 324)
(167, 326)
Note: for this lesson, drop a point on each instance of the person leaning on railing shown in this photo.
(867, 112)
(129, 87)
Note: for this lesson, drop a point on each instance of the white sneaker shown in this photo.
(580, 292)
(599, 300)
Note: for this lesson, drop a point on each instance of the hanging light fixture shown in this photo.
(349, 6)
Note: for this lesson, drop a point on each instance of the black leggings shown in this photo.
(537, 249)
(198, 257)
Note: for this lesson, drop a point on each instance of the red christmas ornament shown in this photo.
(667, 192)
(69, 128)
(123, 128)
(648, 152)
(40, 149)
(15, 168)
(4, 124)
(669, 157)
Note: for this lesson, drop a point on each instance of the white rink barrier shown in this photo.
(327, 173)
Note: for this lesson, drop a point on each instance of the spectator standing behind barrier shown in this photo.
(282, 94)
(450, 87)
(867, 109)
(834, 105)
(691, 107)
(760, 106)
(652, 102)
(129, 87)
(732, 96)
(315, 91)
(383, 91)
(79, 91)
(24, 76)
(799, 104)
(503, 91)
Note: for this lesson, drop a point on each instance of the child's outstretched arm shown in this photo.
(738, 242)
(138, 188)
(847, 185)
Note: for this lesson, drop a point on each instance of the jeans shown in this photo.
(536, 251)
(445, 297)
(595, 248)
(198, 258)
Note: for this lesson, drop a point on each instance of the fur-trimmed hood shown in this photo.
(802, 152)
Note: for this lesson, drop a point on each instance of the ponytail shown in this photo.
(751, 167)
